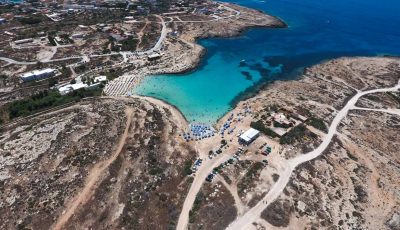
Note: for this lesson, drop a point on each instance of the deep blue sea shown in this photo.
(318, 30)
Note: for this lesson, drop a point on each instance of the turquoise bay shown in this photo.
(318, 30)
(205, 94)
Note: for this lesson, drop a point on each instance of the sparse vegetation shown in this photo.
(249, 178)
(318, 124)
(278, 213)
(129, 44)
(112, 74)
(295, 134)
(44, 100)
(187, 168)
(30, 20)
(395, 96)
(196, 207)
(282, 125)
(51, 40)
(259, 125)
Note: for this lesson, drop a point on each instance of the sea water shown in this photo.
(234, 68)
(11, 1)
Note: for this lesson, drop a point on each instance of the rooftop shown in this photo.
(249, 134)
(37, 72)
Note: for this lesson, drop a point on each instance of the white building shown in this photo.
(77, 36)
(9, 33)
(38, 74)
(153, 56)
(23, 41)
(66, 89)
(100, 79)
(249, 136)
(83, 27)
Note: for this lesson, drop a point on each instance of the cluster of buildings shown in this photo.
(282, 120)
(66, 89)
(117, 33)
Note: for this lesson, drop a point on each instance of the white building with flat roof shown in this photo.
(77, 35)
(100, 79)
(38, 74)
(153, 56)
(249, 136)
(66, 89)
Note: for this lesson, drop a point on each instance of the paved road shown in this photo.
(12, 61)
(254, 213)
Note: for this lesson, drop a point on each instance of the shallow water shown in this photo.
(318, 30)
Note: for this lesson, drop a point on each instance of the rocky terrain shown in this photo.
(118, 163)
(102, 164)
(214, 208)
(228, 27)
(325, 88)
(353, 184)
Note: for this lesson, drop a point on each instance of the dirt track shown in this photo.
(94, 175)
(250, 216)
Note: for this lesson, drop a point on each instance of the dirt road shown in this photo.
(201, 175)
(254, 213)
(141, 33)
(233, 190)
(90, 185)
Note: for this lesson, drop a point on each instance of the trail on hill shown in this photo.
(90, 185)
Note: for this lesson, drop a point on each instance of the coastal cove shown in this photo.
(236, 67)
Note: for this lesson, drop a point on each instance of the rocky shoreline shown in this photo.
(236, 27)
(192, 32)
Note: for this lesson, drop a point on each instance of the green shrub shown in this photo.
(45, 100)
(280, 125)
(294, 135)
(318, 124)
(129, 44)
(31, 20)
(259, 125)
(187, 169)
(52, 41)
(196, 206)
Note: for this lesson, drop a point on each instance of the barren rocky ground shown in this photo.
(124, 176)
(214, 208)
(353, 185)
(227, 27)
